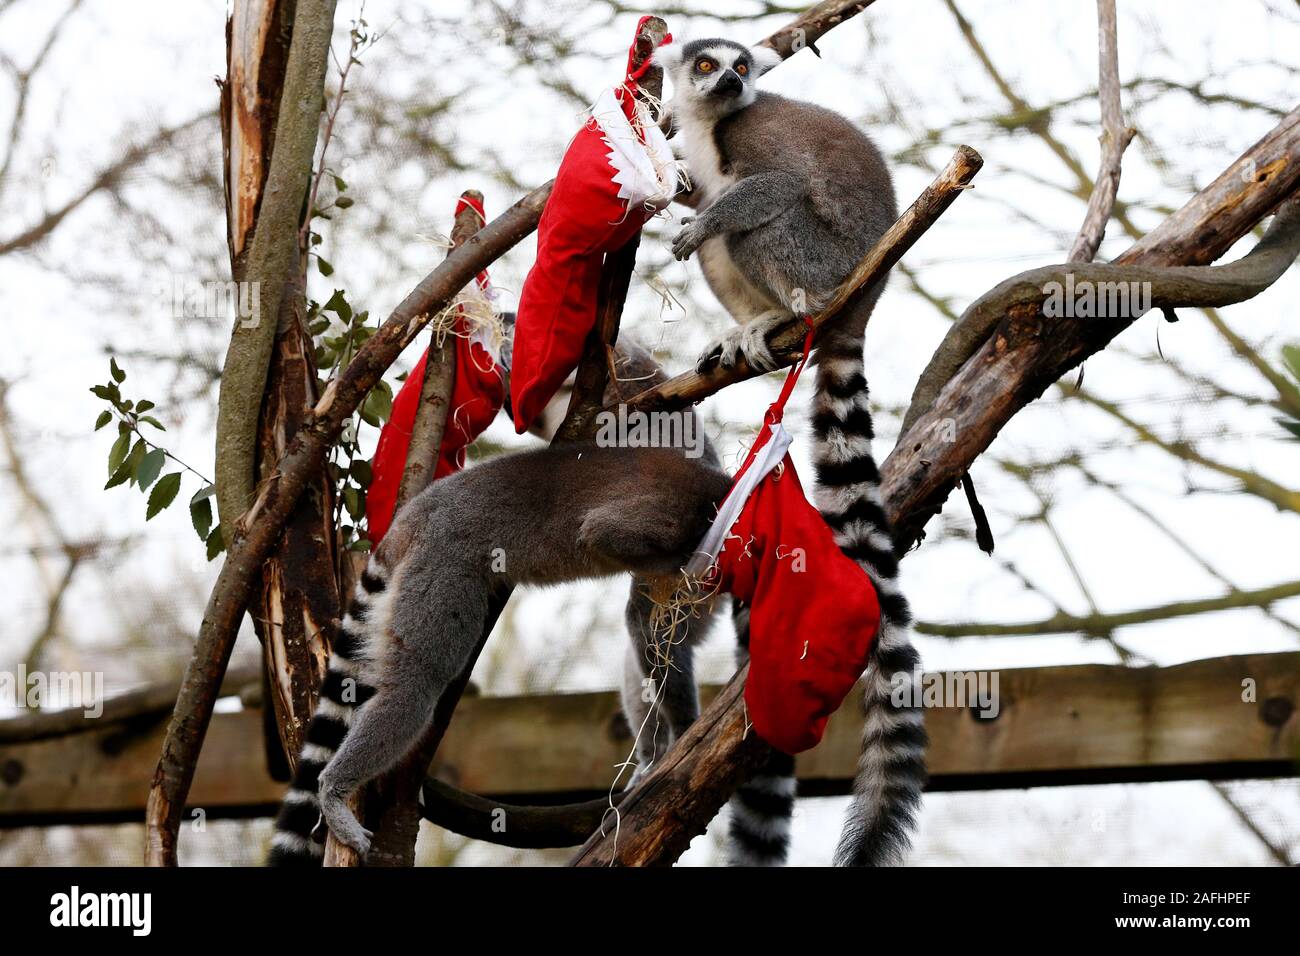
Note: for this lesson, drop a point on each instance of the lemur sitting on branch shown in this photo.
(792, 196)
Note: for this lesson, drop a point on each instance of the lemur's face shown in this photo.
(716, 75)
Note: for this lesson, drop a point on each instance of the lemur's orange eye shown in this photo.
(704, 66)
(741, 69)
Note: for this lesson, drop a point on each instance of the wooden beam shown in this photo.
(1221, 718)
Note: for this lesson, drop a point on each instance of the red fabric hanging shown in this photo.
(477, 395)
(814, 614)
(616, 173)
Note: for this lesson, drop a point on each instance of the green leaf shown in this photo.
(163, 494)
(343, 202)
(338, 304)
(104, 418)
(128, 467)
(339, 184)
(216, 543)
(352, 501)
(361, 544)
(361, 473)
(325, 268)
(105, 392)
(150, 468)
(201, 517)
(378, 406)
(117, 454)
(202, 493)
(118, 375)
(144, 406)
(153, 421)
(1292, 426)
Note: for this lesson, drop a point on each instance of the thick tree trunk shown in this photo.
(299, 594)
(271, 261)
(275, 49)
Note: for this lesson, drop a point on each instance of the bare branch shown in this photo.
(533, 828)
(105, 180)
(1101, 624)
(260, 527)
(1170, 287)
(439, 380)
(272, 260)
(1008, 373)
(1115, 137)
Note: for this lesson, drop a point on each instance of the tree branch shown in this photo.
(1169, 285)
(390, 803)
(260, 527)
(522, 827)
(1009, 372)
(271, 264)
(272, 259)
(1115, 137)
(107, 178)
(1101, 624)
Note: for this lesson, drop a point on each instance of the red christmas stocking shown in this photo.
(617, 172)
(476, 397)
(813, 611)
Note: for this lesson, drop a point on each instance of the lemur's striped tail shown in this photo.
(891, 771)
(761, 808)
(346, 687)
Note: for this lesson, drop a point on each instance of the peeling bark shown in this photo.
(258, 529)
(299, 594)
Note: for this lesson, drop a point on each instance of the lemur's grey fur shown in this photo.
(421, 605)
(556, 515)
(791, 196)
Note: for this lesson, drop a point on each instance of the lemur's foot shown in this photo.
(748, 341)
(345, 827)
(689, 238)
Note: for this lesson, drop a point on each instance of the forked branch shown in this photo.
(691, 782)
(259, 528)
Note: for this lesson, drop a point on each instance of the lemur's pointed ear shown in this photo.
(668, 56)
(764, 58)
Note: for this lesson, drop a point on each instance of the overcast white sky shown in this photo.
(124, 67)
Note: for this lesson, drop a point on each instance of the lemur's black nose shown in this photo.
(729, 84)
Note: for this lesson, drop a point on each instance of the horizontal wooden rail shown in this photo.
(1221, 718)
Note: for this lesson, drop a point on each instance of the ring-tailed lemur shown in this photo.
(791, 196)
(580, 510)
(554, 515)
(541, 517)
